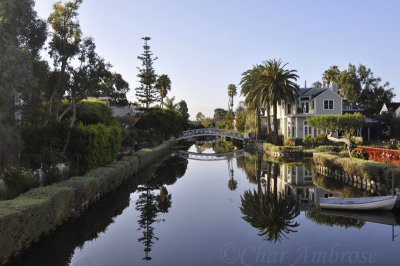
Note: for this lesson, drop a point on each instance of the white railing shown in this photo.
(210, 156)
(212, 132)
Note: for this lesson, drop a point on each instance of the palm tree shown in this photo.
(232, 93)
(169, 104)
(332, 74)
(254, 91)
(281, 87)
(163, 85)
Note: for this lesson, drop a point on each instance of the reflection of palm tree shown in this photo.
(272, 216)
(232, 183)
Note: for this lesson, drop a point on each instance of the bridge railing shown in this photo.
(212, 131)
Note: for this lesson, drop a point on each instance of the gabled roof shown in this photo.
(312, 92)
(393, 106)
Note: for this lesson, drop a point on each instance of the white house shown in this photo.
(317, 100)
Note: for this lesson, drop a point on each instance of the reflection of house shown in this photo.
(128, 110)
(317, 100)
(294, 180)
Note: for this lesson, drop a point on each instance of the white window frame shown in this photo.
(333, 104)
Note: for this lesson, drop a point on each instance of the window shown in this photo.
(328, 104)
(289, 109)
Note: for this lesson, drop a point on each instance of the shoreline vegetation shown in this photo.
(23, 220)
(366, 174)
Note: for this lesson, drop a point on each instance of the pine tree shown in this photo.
(146, 93)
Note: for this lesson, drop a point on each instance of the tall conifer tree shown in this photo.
(146, 92)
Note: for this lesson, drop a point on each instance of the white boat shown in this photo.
(385, 203)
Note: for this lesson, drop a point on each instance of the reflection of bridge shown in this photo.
(210, 156)
(213, 132)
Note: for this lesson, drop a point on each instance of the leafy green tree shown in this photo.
(183, 110)
(347, 123)
(199, 117)
(359, 85)
(64, 45)
(332, 74)
(207, 122)
(163, 85)
(219, 115)
(232, 93)
(240, 119)
(146, 93)
(22, 35)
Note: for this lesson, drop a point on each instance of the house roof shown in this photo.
(393, 106)
(312, 92)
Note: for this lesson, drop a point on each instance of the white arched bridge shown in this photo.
(213, 132)
(210, 156)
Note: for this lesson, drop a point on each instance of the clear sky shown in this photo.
(205, 45)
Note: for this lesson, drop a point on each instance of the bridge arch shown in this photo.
(213, 132)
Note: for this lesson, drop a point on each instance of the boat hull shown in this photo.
(385, 203)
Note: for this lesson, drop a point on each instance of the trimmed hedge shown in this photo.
(27, 217)
(282, 149)
(370, 170)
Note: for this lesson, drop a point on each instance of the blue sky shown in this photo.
(205, 45)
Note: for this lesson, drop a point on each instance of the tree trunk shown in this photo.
(258, 122)
(61, 116)
(275, 107)
(71, 124)
(60, 80)
(343, 140)
(269, 129)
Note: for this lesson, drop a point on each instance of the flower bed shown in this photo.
(382, 155)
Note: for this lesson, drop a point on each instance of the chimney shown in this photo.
(334, 87)
(323, 84)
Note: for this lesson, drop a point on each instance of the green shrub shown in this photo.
(308, 141)
(288, 141)
(36, 138)
(95, 145)
(322, 139)
(17, 181)
(298, 141)
(280, 139)
(157, 125)
(50, 159)
(359, 153)
(94, 112)
(344, 154)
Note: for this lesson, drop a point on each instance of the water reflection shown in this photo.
(232, 183)
(150, 205)
(272, 214)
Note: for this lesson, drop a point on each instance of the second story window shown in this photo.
(289, 109)
(328, 104)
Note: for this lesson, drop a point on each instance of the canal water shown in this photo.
(244, 209)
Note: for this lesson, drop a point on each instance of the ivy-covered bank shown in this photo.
(26, 218)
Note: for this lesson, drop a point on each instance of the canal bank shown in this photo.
(373, 176)
(26, 218)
